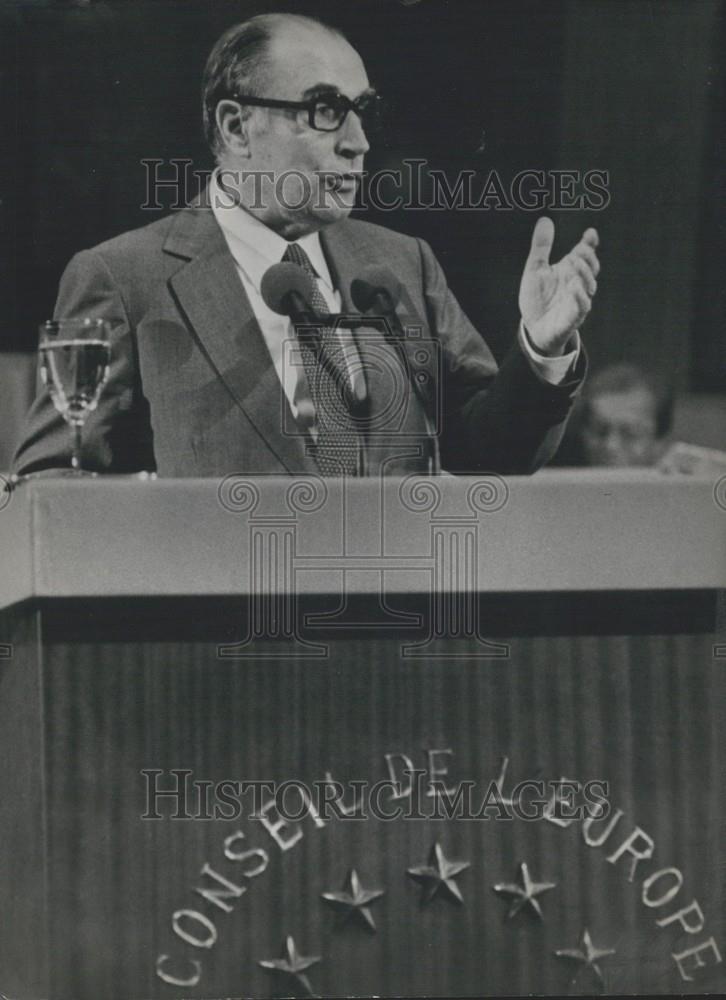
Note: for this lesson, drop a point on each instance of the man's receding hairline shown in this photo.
(268, 60)
(285, 17)
(280, 21)
(312, 26)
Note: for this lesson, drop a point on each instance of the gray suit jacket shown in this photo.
(193, 391)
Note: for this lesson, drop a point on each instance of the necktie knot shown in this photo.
(296, 255)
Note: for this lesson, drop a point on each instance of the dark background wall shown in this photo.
(90, 89)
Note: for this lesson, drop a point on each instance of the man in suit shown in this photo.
(200, 381)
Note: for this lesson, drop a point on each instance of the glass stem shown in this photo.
(77, 444)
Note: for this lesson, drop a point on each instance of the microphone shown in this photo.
(288, 291)
(378, 291)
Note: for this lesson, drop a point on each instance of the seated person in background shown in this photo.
(625, 419)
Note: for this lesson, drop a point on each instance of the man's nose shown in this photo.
(352, 141)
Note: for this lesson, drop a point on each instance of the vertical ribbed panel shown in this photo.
(645, 714)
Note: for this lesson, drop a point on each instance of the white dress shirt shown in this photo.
(255, 248)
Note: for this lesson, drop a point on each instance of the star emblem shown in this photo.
(438, 876)
(292, 965)
(588, 955)
(524, 894)
(499, 783)
(354, 901)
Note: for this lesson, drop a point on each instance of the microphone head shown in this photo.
(376, 288)
(283, 284)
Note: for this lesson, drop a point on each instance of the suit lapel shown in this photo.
(347, 256)
(210, 295)
(346, 259)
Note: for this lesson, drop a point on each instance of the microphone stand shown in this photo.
(396, 337)
(307, 325)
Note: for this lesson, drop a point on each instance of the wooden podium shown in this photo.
(410, 640)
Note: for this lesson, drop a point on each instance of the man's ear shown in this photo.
(232, 124)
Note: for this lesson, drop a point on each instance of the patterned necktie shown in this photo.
(336, 450)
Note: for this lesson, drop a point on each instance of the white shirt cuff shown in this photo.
(552, 370)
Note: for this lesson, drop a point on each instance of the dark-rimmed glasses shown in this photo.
(327, 112)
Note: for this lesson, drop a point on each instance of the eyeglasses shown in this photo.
(325, 113)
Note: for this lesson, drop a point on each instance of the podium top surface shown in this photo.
(560, 530)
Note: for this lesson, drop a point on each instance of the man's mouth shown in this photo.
(342, 182)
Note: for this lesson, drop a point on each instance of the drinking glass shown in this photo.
(74, 362)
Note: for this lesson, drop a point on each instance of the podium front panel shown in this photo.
(395, 793)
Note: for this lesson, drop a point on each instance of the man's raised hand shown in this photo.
(554, 299)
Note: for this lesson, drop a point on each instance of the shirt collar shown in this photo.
(254, 246)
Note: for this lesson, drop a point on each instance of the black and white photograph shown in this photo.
(362, 499)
